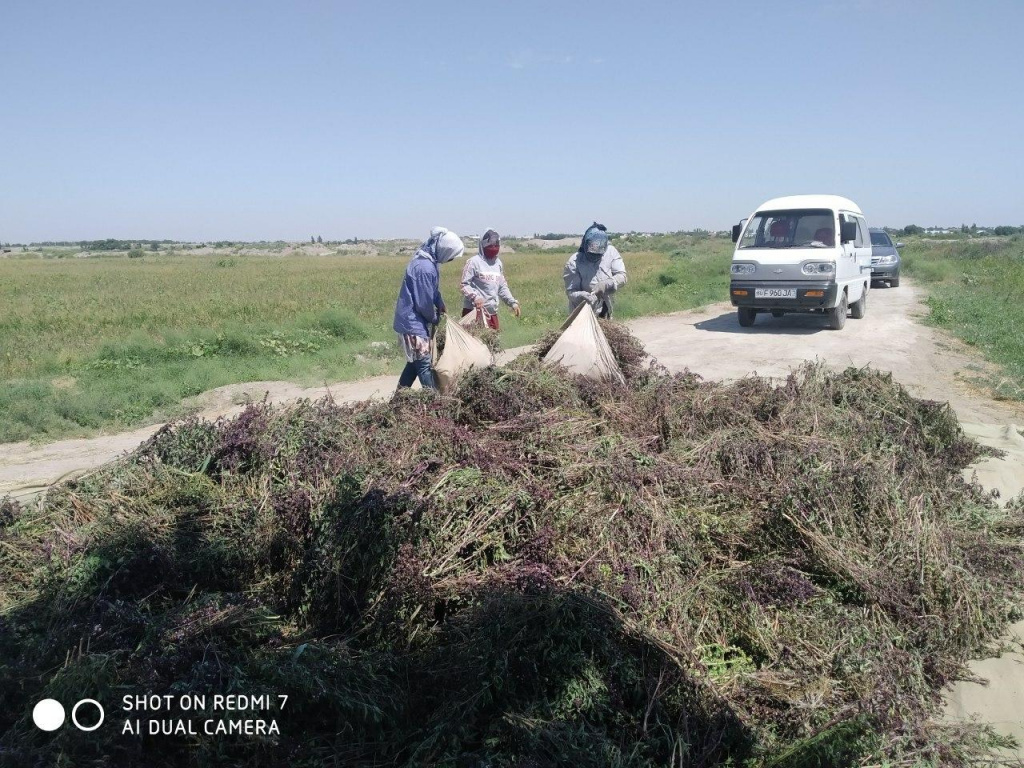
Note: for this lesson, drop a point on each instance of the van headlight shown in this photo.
(742, 269)
(818, 268)
(890, 259)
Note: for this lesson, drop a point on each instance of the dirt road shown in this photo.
(709, 342)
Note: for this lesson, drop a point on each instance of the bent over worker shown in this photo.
(420, 305)
(594, 273)
(484, 283)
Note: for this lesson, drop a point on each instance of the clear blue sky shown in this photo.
(262, 120)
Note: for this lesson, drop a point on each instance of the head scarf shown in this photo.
(595, 243)
(443, 245)
(490, 237)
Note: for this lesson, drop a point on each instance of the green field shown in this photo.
(975, 289)
(105, 343)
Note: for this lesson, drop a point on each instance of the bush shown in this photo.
(342, 325)
(136, 253)
(110, 244)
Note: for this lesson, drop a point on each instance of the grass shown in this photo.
(975, 291)
(108, 343)
(535, 570)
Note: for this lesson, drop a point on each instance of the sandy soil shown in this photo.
(711, 343)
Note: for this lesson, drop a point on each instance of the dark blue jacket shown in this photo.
(419, 299)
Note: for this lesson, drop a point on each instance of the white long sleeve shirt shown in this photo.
(485, 278)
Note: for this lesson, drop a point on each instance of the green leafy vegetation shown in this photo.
(975, 291)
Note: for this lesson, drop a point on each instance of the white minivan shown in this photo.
(789, 259)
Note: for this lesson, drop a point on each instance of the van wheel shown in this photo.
(837, 315)
(746, 316)
(860, 307)
(894, 283)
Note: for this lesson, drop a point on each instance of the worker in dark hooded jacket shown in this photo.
(594, 273)
(420, 304)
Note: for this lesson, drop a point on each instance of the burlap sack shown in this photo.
(462, 351)
(583, 349)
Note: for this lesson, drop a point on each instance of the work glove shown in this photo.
(478, 302)
(592, 299)
(605, 288)
(516, 310)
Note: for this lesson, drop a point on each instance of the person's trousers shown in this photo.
(420, 368)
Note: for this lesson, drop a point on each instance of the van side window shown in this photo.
(863, 238)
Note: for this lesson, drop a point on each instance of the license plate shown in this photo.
(775, 293)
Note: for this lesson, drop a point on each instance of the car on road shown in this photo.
(885, 258)
(803, 253)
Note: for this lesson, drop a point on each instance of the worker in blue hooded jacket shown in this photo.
(420, 304)
(594, 273)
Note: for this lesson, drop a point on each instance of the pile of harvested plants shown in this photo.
(533, 571)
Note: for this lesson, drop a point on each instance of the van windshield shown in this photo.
(807, 228)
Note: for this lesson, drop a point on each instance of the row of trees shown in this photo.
(913, 229)
(349, 241)
(109, 244)
(113, 244)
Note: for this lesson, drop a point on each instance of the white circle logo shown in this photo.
(74, 715)
(48, 715)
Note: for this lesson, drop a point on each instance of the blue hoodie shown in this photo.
(419, 299)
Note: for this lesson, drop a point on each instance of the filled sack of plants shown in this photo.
(462, 351)
(583, 349)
